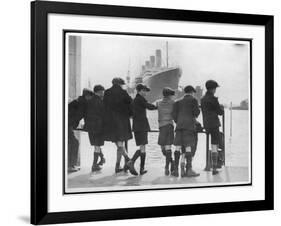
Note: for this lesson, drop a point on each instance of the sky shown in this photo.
(106, 56)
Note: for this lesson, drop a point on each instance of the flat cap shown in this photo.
(98, 88)
(168, 92)
(211, 84)
(141, 86)
(189, 89)
(87, 92)
(118, 81)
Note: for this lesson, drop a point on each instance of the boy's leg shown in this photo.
(189, 156)
(182, 164)
(95, 166)
(100, 142)
(215, 144)
(214, 158)
(102, 159)
(142, 159)
(177, 159)
(118, 158)
(168, 151)
(123, 152)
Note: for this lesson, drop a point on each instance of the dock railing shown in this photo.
(208, 165)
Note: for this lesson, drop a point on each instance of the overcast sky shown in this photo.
(108, 56)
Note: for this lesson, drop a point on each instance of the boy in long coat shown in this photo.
(117, 103)
(211, 109)
(185, 112)
(94, 121)
(140, 124)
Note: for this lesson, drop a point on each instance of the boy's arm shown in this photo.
(148, 105)
(196, 110)
(175, 112)
(218, 107)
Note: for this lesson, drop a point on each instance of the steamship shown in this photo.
(157, 76)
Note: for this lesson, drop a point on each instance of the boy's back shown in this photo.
(165, 109)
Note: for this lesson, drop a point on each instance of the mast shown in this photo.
(167, 56)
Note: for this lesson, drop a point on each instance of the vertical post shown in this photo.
(208, 159)
(223, 130)
(230, 119)
(167, 54)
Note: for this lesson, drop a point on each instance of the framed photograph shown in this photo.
(144, 112)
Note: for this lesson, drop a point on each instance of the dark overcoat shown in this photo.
(76, 111)
(117, 104)
(94, 115)
(211, 110)
(140, 121)
(185, 112)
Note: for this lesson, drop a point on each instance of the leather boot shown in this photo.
(220, 160)
(118, 169)
(125, 168)
(183, 169)
(168, 161)
(102, 159)
(131, 162)
(214, 163)
(95, 166)
(142, 163)
(172, 166)
(135, 157)
(177, 159)
(189, 171)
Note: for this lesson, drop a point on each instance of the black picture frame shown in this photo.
(39, 112)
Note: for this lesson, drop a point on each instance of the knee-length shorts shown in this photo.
(185, 138)
(141, 138)
(215, 135)
(96, 139)
(166, 135)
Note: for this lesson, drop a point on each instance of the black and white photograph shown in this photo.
(150, 111)
(142, 112)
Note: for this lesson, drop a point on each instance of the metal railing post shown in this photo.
(223, 130)
(208, 159)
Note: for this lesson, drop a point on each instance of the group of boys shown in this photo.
(107, 116)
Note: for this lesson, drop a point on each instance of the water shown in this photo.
(237, 146)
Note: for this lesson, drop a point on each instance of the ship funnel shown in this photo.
(152, 61)
(158, 58)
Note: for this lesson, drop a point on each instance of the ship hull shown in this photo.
(156, 83)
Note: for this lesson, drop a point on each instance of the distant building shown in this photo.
(244, 105)
(74, 74)
(74, 67)
(199, 93)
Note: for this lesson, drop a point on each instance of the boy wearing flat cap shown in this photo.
(140, 124)
(185, 112)
(211, 109)
(76, 111)
(94, 121)
(166, 127)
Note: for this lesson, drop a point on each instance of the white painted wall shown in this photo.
(15, 113)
